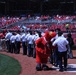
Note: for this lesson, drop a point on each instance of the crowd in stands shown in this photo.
(5, 21)
(51, 22)
(57, 18)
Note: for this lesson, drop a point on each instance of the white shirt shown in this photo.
(33, 36)
(30, 39)
(54, 38)
(12, 39)
(23, 37)
(36, 37)
(8, 35)
(27, 35)
(61, 43)
(18, 37)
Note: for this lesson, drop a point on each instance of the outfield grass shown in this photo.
(9, 65)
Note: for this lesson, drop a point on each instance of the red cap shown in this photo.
(48, 35)
(52, 34)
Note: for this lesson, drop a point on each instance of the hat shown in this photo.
(49, 35)
(52, 34)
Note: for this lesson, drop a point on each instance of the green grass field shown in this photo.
(9, 65)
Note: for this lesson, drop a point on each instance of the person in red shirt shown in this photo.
(43, 47)
(1, 35)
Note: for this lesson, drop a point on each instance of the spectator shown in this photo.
(12, 43)
(61, 44)
(18, 42)
(7, 37)
(24, 46)
(30, 44)
(71, 43)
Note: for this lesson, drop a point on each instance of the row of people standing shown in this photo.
(14, 40)
(28, 43)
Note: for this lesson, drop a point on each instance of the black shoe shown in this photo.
(45, 67)
(55, 65)
(61, 70)
(65, 69)
(29, 55)
(38, 68)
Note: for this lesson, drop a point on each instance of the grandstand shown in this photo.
(17, 15)
(18, 24)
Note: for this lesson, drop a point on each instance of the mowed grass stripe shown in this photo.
(9, 65)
